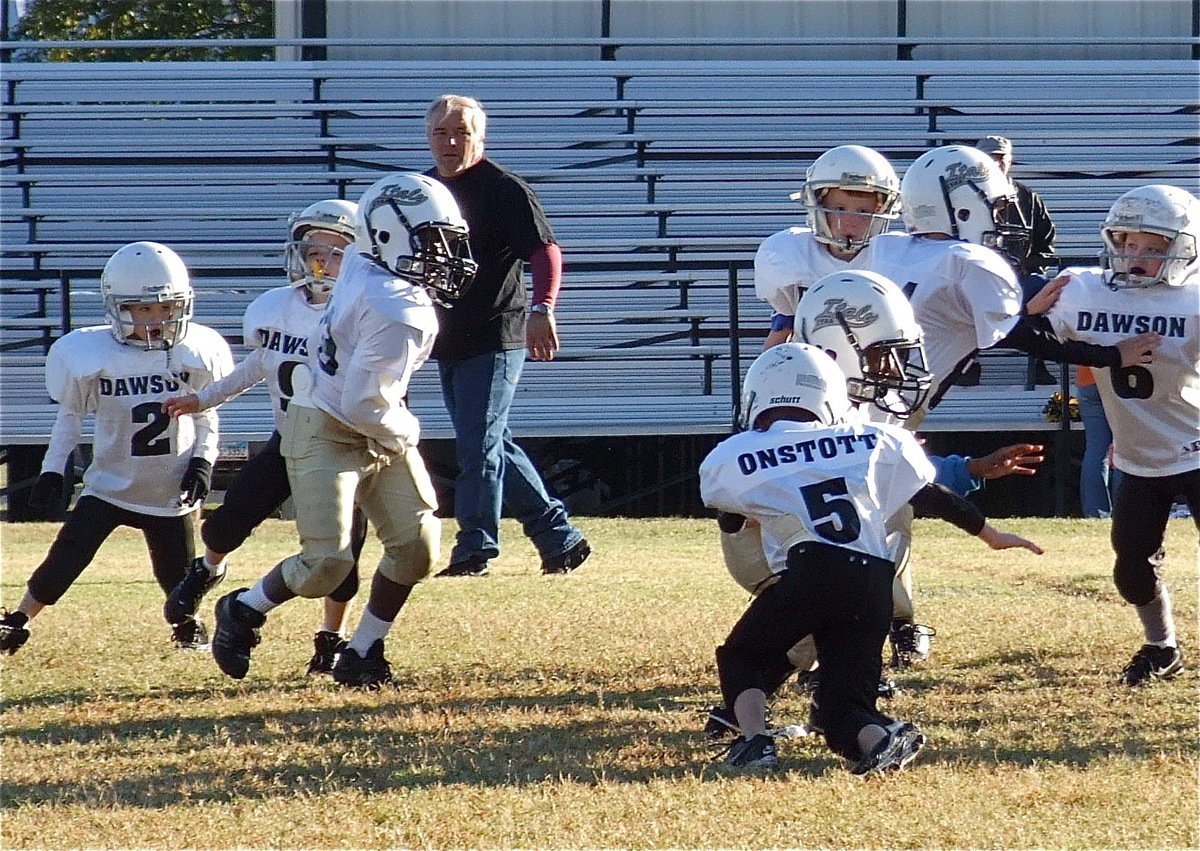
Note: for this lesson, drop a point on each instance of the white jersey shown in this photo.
(965, 296)
(380, 324)
(808, 482)
(1154, 410)
(140, 453)
(789, 262)
(277, 327)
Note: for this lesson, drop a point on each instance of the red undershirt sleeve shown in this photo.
(545, 267)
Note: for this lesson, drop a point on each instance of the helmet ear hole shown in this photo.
(963, 214)
(383, 237)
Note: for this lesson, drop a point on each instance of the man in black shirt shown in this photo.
(481, 345)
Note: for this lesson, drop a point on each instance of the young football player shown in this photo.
(279, 327)
(1150, 281)
(356, 438)
(966, 297)
(822, 486)
(863, 321)
(851, 194)
(148, 471)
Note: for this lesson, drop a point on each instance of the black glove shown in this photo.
(46, 492)
(730, 523)
(193, 487)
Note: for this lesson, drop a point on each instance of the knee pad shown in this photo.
(412, 560)
(1136, 579)
(744, 558)
(803, 654)
(316, 576)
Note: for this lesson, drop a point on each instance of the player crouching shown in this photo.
(822, 486)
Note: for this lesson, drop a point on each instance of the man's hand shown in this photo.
(177, 406)
(1020, 459)
(193, 487)
(46, 491)
(1047, 296)
(1140, 349)
(541, 336)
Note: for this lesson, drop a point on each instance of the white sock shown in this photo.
(1157, 623)
(369, 630)
(257, 599)
(215, 569)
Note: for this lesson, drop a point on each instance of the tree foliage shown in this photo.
(98, 20)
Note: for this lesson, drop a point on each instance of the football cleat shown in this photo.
(13, 631)
(237, 633)
(894, 751)
(190, 634)
(755, 752)
(910, 643)
(327, 645)
(567, 561)
(1152, 663)
(470, 566)
(184, 599)
(370, 672)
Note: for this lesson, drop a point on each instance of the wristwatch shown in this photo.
(541, 308)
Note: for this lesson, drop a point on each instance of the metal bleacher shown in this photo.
(660, 178)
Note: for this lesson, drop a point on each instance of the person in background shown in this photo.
(1097, 480)
(481, 345)
(1031, 258)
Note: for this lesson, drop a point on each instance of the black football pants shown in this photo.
(171, 541)
(844, 600)
(1141, 509)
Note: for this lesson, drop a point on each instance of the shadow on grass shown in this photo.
(393, 739)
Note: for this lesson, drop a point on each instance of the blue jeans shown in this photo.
(493, 470)
(1094, 491)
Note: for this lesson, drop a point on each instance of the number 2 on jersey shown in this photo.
(148, 441)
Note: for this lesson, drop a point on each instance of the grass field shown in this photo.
(565, 711)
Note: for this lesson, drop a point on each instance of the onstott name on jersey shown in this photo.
(804, 450)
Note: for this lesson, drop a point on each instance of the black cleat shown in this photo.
(13, 632)
(896, 750)
(910, 643)
(327, 646)
(567, 561)
(756, 752)
(371, 672)
(471, 566)
(237, 633)
(190, 634)
(184, 600)
(1152, 663)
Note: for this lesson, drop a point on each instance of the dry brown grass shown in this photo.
(564, 712)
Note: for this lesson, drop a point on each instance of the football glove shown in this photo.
(46, 491)
(193, 487)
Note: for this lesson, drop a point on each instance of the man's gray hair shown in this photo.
(472, 111)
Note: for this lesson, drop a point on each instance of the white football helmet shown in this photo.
(854, 168)
(1168, 211)
(304, 266)
(960, 191)
(146, 273)
(411, 225)
(794, 375)
(864, 322)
